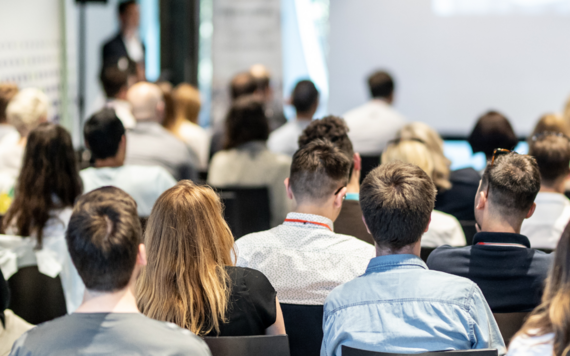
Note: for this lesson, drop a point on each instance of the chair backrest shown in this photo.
(349, 351)
(469, 230)
(246, 209)
(425, 252)
(510, 323)
(304, 327)
(368, 164)
(277, 345)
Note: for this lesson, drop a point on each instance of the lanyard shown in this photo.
(308, 222)
(499, 244)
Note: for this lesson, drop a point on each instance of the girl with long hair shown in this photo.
(190, 278)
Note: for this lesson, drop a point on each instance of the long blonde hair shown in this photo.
(186, 102)
(553, 313)
(188, 244)
(410, 151)
(432, 140)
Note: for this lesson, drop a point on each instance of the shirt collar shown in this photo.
(390, 262)
(318, 219)
(501, 237)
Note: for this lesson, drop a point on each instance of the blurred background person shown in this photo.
(273, 110)
(116, 80)
(492, 130)
(7, 92)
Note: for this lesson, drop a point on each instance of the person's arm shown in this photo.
(278, 328)
(486, 333)
(354, 183)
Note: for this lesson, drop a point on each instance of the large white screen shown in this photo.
(450, 69)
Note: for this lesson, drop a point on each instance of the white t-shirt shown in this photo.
(524, 345)
(551, 216)
(144, 183)
(11, 155)
(198, 140)
(285, 139)
(444, 229)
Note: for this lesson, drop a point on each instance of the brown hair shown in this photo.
(381, 84)
(7, 92)
(552, 154)
(186, 102)
(550, 123)
(246, 121)
(103, 238)
(242, 84)
(397, 200)
(493, 130)
(330, 128)
(169, 118)
(553, 313)
(188, 244)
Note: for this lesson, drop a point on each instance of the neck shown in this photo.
(315, 210)
(109, 162)
(304, 116)
(498, 223)
(556, 187)
(413, 249)
(122, 301)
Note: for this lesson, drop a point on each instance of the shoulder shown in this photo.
(248, 276)
(439, 258)
(524, 345)
(174, 335)
(254, 238)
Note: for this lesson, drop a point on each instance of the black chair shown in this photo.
(469, 230)
(246, 210)
(304, 325)
(35, 297)
(277, 345)
(349, 351)
(426, 251)
(368, 164)
(510, 323)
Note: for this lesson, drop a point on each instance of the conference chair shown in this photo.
(368, 164)
(349, 351)
(510, 323)
(469, 230)
(277, 345)
(425, 252)
(304, 327)
(246, 209)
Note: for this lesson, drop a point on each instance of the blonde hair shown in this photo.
(186, 102)
(410, 151)
(551, 123)
(27, 110)
(434, 143)
(188, 244)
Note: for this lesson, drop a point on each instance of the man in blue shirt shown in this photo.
(399, 305)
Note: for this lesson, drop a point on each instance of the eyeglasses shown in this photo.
(500, 151)
(338, 191)
(541, 135)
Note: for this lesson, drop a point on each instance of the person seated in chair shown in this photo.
(399, 305)
(105, 243)
(501, 262)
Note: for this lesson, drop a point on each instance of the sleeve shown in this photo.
(485, 333)
(262, 295)
(18, 347)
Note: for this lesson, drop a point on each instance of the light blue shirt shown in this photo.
(400, 306)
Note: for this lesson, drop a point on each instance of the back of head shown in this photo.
(381, 85)
(186, 102)
(103, 133)
(318, 170)
(552, 153)
(410, 151)
(169, 114)
(188, 244)
(103, 238)
(246, 121)
(513, 181)
(551, 123)
(242, 84)
(397, 200)
(331, 128)
(146, 101)
(114, 78)
(27, 109)
(305, 96)
(261, 75)
(493, 130)
(7, 92)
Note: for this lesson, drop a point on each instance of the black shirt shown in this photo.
(252, 306)
(510, 277)
(459, 201)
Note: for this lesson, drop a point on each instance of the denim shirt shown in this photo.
(400, 306)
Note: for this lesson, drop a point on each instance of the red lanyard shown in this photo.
(499, 244)
(308, 222)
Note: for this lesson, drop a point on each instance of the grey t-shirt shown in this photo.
(109, 334)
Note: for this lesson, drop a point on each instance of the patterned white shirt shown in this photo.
(304, 260)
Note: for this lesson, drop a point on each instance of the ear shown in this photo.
(357, 161)
(123, 142)
(427, 226)
(531, 211)
(288, 188)
(339, 198)
(482, 202)
(141, 256)
(367, 229)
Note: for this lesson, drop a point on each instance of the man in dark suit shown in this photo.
(126, 45)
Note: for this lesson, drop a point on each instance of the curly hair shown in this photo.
(332, 128)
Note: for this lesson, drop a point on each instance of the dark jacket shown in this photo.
(349, 222)
(459, 201)
(114, 49)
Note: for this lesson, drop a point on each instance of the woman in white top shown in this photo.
(546, 332)
(444, 229)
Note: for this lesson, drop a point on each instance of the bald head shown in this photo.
(146, 101)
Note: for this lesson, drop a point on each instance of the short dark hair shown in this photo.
(552, 154)
(513, 181)
(7, 92)
(103, 238)
(124, 5)
(246, 121)
(103, 132)
(242, 84)
(493, 130)
(397, 200)
(330, 128)
(381, 84)
(114, 79)
(304, 96)
(317, 170)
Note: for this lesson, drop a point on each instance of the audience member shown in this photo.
(7, 92)
(334, 129)
(45, 193)
(150, 144)
(104, 241)
(185, 122)
(116, 80)
(399, 305)
(492, 130)
(501, 262)
(375, 123)
(273, 109)
(27, 109)
(444, 229)
(12, 325)
(305, 99)
(190, 279)
(552, 153)
(246, 161)
(545, 331)
(105, 137)
(303, 258)
(550, 123)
